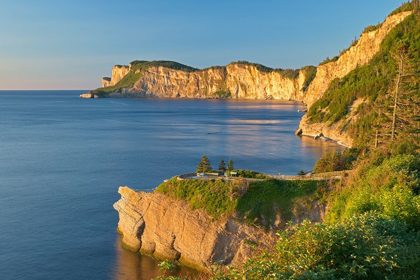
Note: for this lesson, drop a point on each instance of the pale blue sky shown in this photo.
(72, 44)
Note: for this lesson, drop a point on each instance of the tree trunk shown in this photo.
(397, 87)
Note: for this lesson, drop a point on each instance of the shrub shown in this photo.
(391, 189)
(336, 161)
(362, 247)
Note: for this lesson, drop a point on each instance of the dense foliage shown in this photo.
(204, 165)
(249, 174)
(391, 189)
(336, 161)
(373, 84)
(361, 247)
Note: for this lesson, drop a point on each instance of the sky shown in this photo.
(72, 44)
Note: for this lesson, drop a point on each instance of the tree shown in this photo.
(405, 96)
(230, 165)
(222, 166)
(204, 165)
(301, 172)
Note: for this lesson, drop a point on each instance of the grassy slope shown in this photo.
(371, 82)
(259, 202)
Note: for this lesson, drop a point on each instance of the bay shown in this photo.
(63, 158)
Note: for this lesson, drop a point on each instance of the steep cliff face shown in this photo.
(246, 81)
(233, 81)
(360, 54)
(155, 224)
(118, 72)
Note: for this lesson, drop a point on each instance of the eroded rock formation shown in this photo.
(155, 224)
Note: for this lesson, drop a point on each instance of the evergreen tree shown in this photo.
(230, 165)
(222, 166)
(403, 101)
(204, 165)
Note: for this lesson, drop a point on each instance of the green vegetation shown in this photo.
(374, 84)
(336, 161)
(258, 202)
(204, 165)
(222, 94)
(408, 6)
(371, 28)
(266, 199)
(391, 188)
(138, 67)
(230, 165)
(288, 73)
(249, 174)
(142, 65)
(328, 60)
(362, 247)
(215, 196)
(310, 73)
(222, 167)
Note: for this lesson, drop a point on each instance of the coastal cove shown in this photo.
(63, 159)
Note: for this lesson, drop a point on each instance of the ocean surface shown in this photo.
(63, 158)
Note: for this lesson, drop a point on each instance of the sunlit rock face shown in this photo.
(166, 228)
(246, 81)
(366, 48)
(239, 80)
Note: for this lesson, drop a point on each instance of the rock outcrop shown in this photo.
(236, 80)
(155, 224)
(248, 81)
(360, 54)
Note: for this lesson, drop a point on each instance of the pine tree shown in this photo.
(230, 165)
(204, 165)
(405, 98)
(222, 166)
(398, 111)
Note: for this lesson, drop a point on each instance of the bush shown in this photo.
(391, 189)
(362, 247)
(250, 174)
(336, 161)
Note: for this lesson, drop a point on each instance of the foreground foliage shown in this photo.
(362, 247)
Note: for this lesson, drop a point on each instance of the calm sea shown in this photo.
(63, 158)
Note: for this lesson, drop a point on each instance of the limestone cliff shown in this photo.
(245, 80)
(166, 228)
(236, 80)
(366, 48)
(118, 72)
(358, 55)
(155, 224)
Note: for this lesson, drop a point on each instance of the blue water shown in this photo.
(63, 158)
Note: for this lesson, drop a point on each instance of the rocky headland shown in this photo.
(244, 80)
(167, 228)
